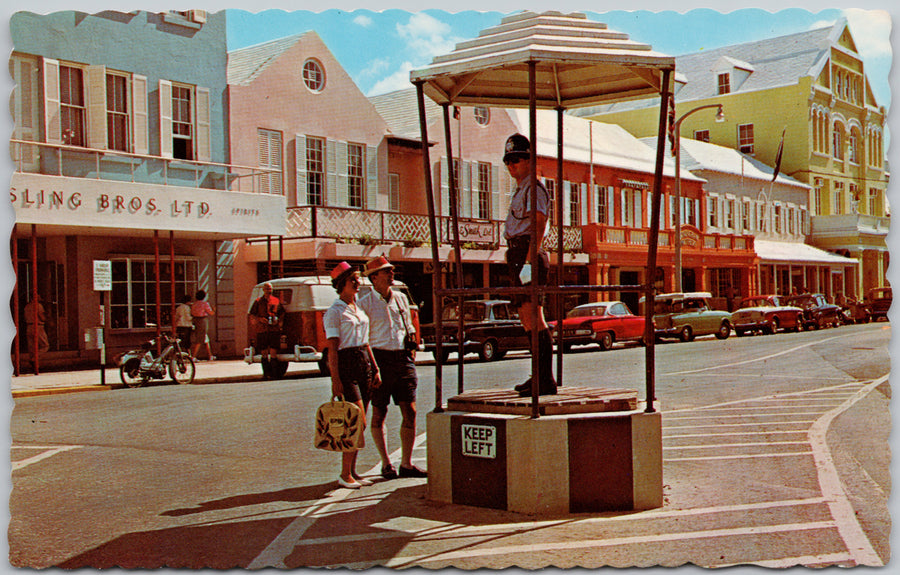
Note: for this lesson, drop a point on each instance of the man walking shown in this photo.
(392, 339)
(517, 157)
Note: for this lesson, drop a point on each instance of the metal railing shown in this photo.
(114, 165)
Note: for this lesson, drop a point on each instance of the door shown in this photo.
(630, 298)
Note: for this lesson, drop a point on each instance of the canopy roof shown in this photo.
(579, 62)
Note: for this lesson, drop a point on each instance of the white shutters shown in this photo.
(300, 167)
(26, 111)
(165, 119)
(583, 192)
(496, 214)
(202, 121)
(141, 123)
(371, 197)
(52, 104)
(332, 173)
(270, 157)
(96, 107)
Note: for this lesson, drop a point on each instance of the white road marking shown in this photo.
(755, 456)
(755, 424)
(738, 433)
(740, 416)
(51, 451)
(717, 445)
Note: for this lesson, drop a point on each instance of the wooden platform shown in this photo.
(567, 400)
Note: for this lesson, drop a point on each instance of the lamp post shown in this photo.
(720, 117)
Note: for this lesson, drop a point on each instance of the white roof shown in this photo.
(797, 252)
(612, 145)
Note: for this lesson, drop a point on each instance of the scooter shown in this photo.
(138, 366)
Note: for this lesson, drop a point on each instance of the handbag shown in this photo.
(339, 426)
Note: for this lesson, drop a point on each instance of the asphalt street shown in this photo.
(775, 454)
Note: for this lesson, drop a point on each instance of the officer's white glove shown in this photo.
(525, 274)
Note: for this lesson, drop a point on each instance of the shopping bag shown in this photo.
(339, 426)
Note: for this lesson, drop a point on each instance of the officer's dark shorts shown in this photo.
(356, 371)
(398, 378)
(516, 256)
(268, 339)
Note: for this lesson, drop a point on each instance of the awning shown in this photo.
(798, 253)
(634, 184)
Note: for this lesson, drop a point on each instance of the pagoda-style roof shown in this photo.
(579, 62)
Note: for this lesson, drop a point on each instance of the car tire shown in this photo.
(277, 368)
(724, 330)
(489, 349)
(772, 326)
(606, 341)
(686, 334)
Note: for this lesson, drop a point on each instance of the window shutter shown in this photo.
(638, 208)
(165, 119)
(300, 165)
(583, 192)
(26, 109)
(140, 124)
(371, 178)
(204, 135)
(343, 179)
(52, 118)
(262, 151)
(331, 149)
(622, 207)
(445, 187)
(496, 196)
(610, 206)
(566, 204)
(464, 191)
(96, 107)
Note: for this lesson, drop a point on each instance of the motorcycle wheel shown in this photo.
(181, 369)
(130, 373)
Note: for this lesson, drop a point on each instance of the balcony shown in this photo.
(850, 224)
(691, 239)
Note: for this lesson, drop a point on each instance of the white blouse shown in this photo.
(349, 324)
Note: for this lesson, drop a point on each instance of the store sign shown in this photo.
(102, 275)
(40, 199)
(479, 441)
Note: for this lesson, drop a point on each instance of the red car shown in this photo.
(766, 314)
(603, 323)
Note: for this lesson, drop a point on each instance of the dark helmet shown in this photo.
(517, 146)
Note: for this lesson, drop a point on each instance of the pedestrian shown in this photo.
(519, 252)
(350, 360)
(184, 323)
(267, 315)
(35, 318)
(200, 313)
(392, 337)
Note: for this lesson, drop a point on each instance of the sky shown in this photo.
(379, 48)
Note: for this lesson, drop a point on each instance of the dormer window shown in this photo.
(724, 83)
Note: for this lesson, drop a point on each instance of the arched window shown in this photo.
(837, 141)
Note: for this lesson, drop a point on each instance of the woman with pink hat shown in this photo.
(350, 359)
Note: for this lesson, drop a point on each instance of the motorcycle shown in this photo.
(138, 366)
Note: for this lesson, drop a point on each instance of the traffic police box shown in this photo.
(606, 456)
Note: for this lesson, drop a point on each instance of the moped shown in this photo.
(138, 366)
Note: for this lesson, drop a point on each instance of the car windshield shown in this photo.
(472, 312)
(587, 311)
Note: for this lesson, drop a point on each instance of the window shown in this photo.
(745, 216)
(724, 280)
(72, 108)
(182, 123)
(394, 192)
(701, 135)
(873, 202)
(356, 174)
(762, 211)
(482, 115)
(728, 207)
(133, 296)
(791, 218)
(713, 212)
(854, 147)
(628, 207)
(315, 171)
(745, 138)
(817, 197)
(574, 204)
(550, 186)
(837, 139)
(724, 83)
(269, 148)
(313, 75)
(838, 198)
(483, 204)
(778, 215)
(117, 129)
(602, 205)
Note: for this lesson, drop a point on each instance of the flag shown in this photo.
(673, 138)
(778, 156)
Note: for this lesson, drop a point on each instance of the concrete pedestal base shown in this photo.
(572, 463)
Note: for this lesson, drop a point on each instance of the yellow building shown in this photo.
(812, 88)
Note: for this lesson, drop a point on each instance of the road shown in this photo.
(775, 453)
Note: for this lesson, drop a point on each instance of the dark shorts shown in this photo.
(516, 256)
(356, 371)
(398, 378)
(267, 339)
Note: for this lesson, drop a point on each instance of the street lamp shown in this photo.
(720, 117)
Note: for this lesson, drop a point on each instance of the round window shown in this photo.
(313, 75)
(482, 115)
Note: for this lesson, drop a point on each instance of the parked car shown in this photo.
(766, 314)
(490, 328)
(601, 323)
(878, 302)
(305, 301)
(687, 315)
(817, 312)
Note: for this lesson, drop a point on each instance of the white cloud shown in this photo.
(362, 20)
(375, 68)
(871, 30)
(399, 80)
(426, 36)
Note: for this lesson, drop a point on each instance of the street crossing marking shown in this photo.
(50, 452)
(753, 456)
